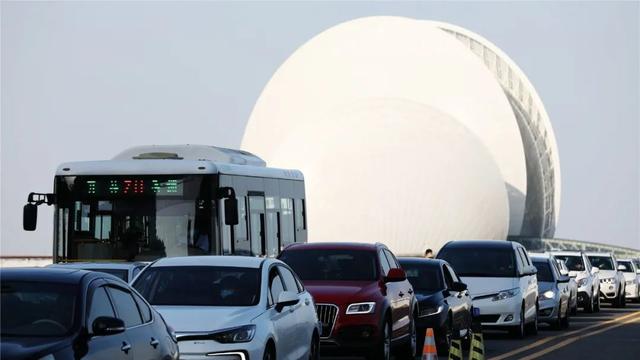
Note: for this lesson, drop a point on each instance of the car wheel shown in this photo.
(409, 349)
(591, 305)
(597, 305)
(574, 309)
(314, 349)
(623, 299)
(382, 351)
(444, 340)
(269, 353)
(519, 332)
(565, 320)
(532, 328)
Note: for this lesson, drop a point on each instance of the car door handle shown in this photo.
(410, 292)
(154, 343)
(306, 301)
(125, 347)
(401, 294)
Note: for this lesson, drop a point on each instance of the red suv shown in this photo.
(363, 298)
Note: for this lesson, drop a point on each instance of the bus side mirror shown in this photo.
(30, 217)
(231, 211)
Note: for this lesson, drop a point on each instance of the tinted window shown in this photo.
(423, 278)
(145, 311)
(34, 309)
(627, 266)
(122, 274)
(448, 279)
(334, 265)
(392, 259)
(384, 263)
(544, 273)
(100, 306)
(478, 261)
(200, 286)
(126, 307)
(275, 286)
(289, 280)
(573, 262)
(602, 262)
(453, 274)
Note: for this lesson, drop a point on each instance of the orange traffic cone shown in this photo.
(429, 351)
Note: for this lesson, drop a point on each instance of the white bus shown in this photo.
(155, 201)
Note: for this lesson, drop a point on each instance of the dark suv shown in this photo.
(363, 298)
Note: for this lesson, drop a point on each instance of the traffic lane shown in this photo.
(501, 346)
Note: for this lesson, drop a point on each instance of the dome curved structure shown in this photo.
(395, 65)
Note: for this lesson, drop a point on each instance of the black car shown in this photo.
(50, 313)
(444, 303)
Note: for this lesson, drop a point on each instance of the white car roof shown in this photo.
(567, 253)
(540, 256)
(599, 254)
(229, 261)
(100, 265)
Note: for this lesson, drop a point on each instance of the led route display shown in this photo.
(132, 186)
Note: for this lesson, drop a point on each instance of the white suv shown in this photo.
(587, 277)
(612, 283)
(233, 307)
(501, 280)
(632, 276)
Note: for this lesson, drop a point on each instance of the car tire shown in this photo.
(590, 305)
(382, 350)
(574, 309)
(519, 331)
(623, 299)
(532, 328)
(444, 340)
(557, 324)
(597, 306)
(408, 350)
(314, 349)
(269, 352)
(564, 324)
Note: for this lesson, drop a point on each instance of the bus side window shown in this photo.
(241, 228)
(301, 221)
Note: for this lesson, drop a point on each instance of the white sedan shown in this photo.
(233, 307)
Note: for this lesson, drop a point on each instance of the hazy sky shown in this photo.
(82, 81)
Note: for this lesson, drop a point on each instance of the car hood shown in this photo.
(605, 274)
(578, 274)
(481, 286)
(29, 347)
(207, 318)
(545, 286)
(340, 292)
(429, 297)
(629, 276)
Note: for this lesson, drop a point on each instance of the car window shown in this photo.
(454, 277)
(275, 286)
(142, 306)
(332, 264)
(423, 278)
(100, 306)
(384, 263)
(602, 262)
(448, 279)
(392, 259)
(288, 279)
(126, 307)
(478, 261)
(627, 266)
(544, 273)
(573, 262)
(523, 257)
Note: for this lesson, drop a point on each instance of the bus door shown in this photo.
(257, 224)
(273, 226)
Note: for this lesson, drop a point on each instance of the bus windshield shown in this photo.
(133, 218)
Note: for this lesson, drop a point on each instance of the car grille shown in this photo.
(327, 314)
(488, 318)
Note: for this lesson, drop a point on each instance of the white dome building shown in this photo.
(407, 137)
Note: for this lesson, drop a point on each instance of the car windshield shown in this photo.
(332, 265)
(122, 274)
(627, 266)
(602, 262)
(573, 262)
(200, 286)
(423, 278)
(36, 309)
(480, 262)
(544, 273)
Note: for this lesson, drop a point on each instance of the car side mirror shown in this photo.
(564, 279)
(638, 271)
(595, 270)
(286, 298)
(564, 272)
(231, 211)
(30, 217)
(395, 275)
(621, 267)
(107, 325)
(458, 286)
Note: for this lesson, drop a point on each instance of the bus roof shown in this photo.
(179, 159)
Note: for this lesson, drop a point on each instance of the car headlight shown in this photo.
(582, 282)
(361, 308)
(506, 294)
(549, 294)
(236, 335)
(430, 310)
